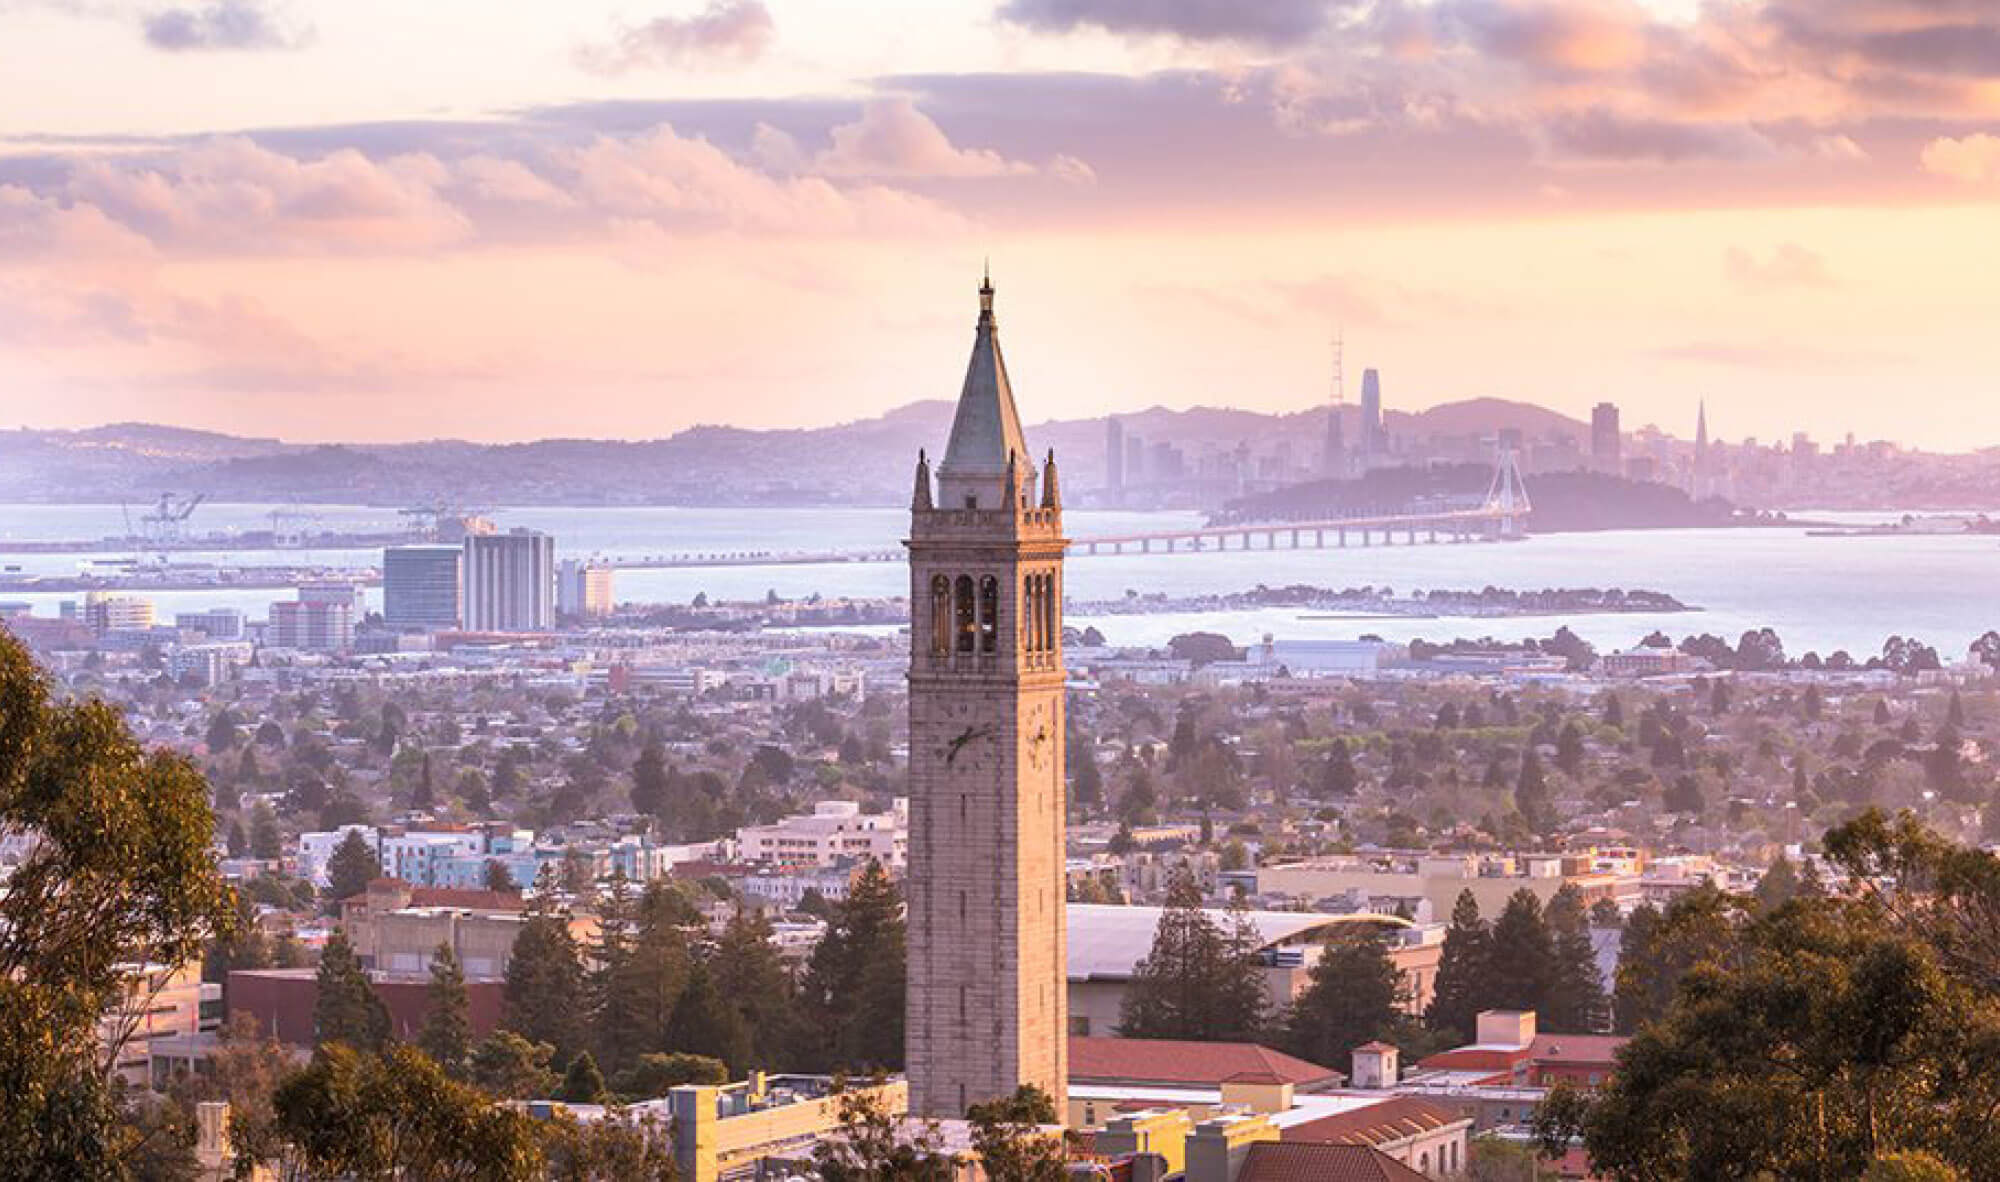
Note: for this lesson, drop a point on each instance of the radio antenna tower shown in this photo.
(1339, 370)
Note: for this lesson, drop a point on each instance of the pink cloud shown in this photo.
(894, 139)
(727, 32)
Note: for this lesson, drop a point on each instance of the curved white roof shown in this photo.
(1107, 941)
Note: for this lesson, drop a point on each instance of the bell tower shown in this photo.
(987, 1008)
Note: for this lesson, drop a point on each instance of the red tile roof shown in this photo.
(1377, 1124)
(471, 898)
(1279, 1161)
(1171, 1062)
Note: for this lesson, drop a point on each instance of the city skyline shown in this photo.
(598, 220)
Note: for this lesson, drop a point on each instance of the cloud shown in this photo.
(1790, 266)
(225, 24)
(894, 139)
(1780, 358)
(1974, 159)
(726, 32)
(1273, 23)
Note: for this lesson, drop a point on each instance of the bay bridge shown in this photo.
(1495, 516)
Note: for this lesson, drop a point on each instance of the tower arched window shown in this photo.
(1049, 605)
(989, 614)
(1031, 615)
(965, 615)
(940, 615)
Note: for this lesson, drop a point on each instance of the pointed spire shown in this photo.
(922, 499)
(986, 430)
(1051, 498)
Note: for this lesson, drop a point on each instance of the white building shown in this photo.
(315, 848)
(833, 831)
(510, 582)
(416, 858)
(213, 664)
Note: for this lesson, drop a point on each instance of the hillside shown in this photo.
(867, 461)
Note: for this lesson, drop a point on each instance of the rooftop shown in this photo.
(1197, 1064)
(1280, 1161)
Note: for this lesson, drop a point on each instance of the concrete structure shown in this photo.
(1387, 879)
(282, 1001)
(160, 1003)
(217, 623)
(211, 664)
(423, 587)
(510, 582)
(1606, 441)
(724, 1131)
(104, 613)
(835, 831)
(312, 625)
(585, 589)
(986, 1001)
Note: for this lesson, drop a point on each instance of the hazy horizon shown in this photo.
(366, 222)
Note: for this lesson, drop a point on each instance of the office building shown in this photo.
(986, 1008)
(315, 625)
(584, 589)
(510, 582)
(423, 586)
(103, 613)
(1114, 455)
(1606, 441)
(218, 623)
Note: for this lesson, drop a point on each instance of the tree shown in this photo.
(1778, 885)
(1570, 749)
(1008, 1134)
(265, 843)
(396, 1115)
(347, 1009)
(543, 999)
(509, 1067)
(870, 1148)
(1354, 997)
(641, 979)
(1459, 993)
(447, 1033)
(751, 977)
(655, 1074)
(244, 1070)
(499, 878)
(1522, 964)
(1531, 795)
(854, 983)
(582, 1083)
(351, 867)
(1575, 1003)
(1338, 778)
(649, 780)
(704, 1023)
(1197, 981)
(1658, 949)
(121, 871)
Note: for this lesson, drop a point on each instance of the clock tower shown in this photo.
(987, 985)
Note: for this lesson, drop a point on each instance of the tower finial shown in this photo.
(986, 293)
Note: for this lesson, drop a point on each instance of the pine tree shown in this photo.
(351, 867)
(1355, 997)
(705, 1023)
(855, 982)
(1338, 778)
(643, 973)
(423, 797)
(1521, 966)
(1570, 750)
(751, 976)
(265, 842)
(1462, 967)
(1630, 1004)
(447, 1033)
(649, 780)
(583, 1083)
(1531, 795)
(1575, 1003)
(347, 1009)
(1197, 981)
(544, 998)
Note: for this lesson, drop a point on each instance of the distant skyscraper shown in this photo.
(1135, 459)
(1114, 455)
(1372, 439)
(987, 997)
(1606, 441)
(584, 589)
(1333, 462)
(317, 623)
(423, 586)
(1699, 477)
(510, 582)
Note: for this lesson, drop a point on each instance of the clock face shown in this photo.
(1040, 742)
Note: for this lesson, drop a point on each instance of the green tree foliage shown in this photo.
(1657, 949)
(752, 979)
(1198, 981)
(621, 1148)
(1845, 1034)
(509, 1067)
(122, 872)
(543, 999)
(447, 1033)
(854, 984)
(642, 972)
(1010, 1138)
(583, 1083)
(347, 1010)
(649, 780)
(872, 1148)
(1338, 777)
(1575, 1002)
(1522, 965)
(396, 1115)
(656, 1073)
(1460, 989)
(351, 867)
(1355, 997)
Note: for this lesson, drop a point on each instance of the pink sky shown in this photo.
(376, 220)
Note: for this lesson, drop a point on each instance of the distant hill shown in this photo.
(1563, 501)
(867, 461)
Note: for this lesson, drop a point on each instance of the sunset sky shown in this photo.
(509, 219)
